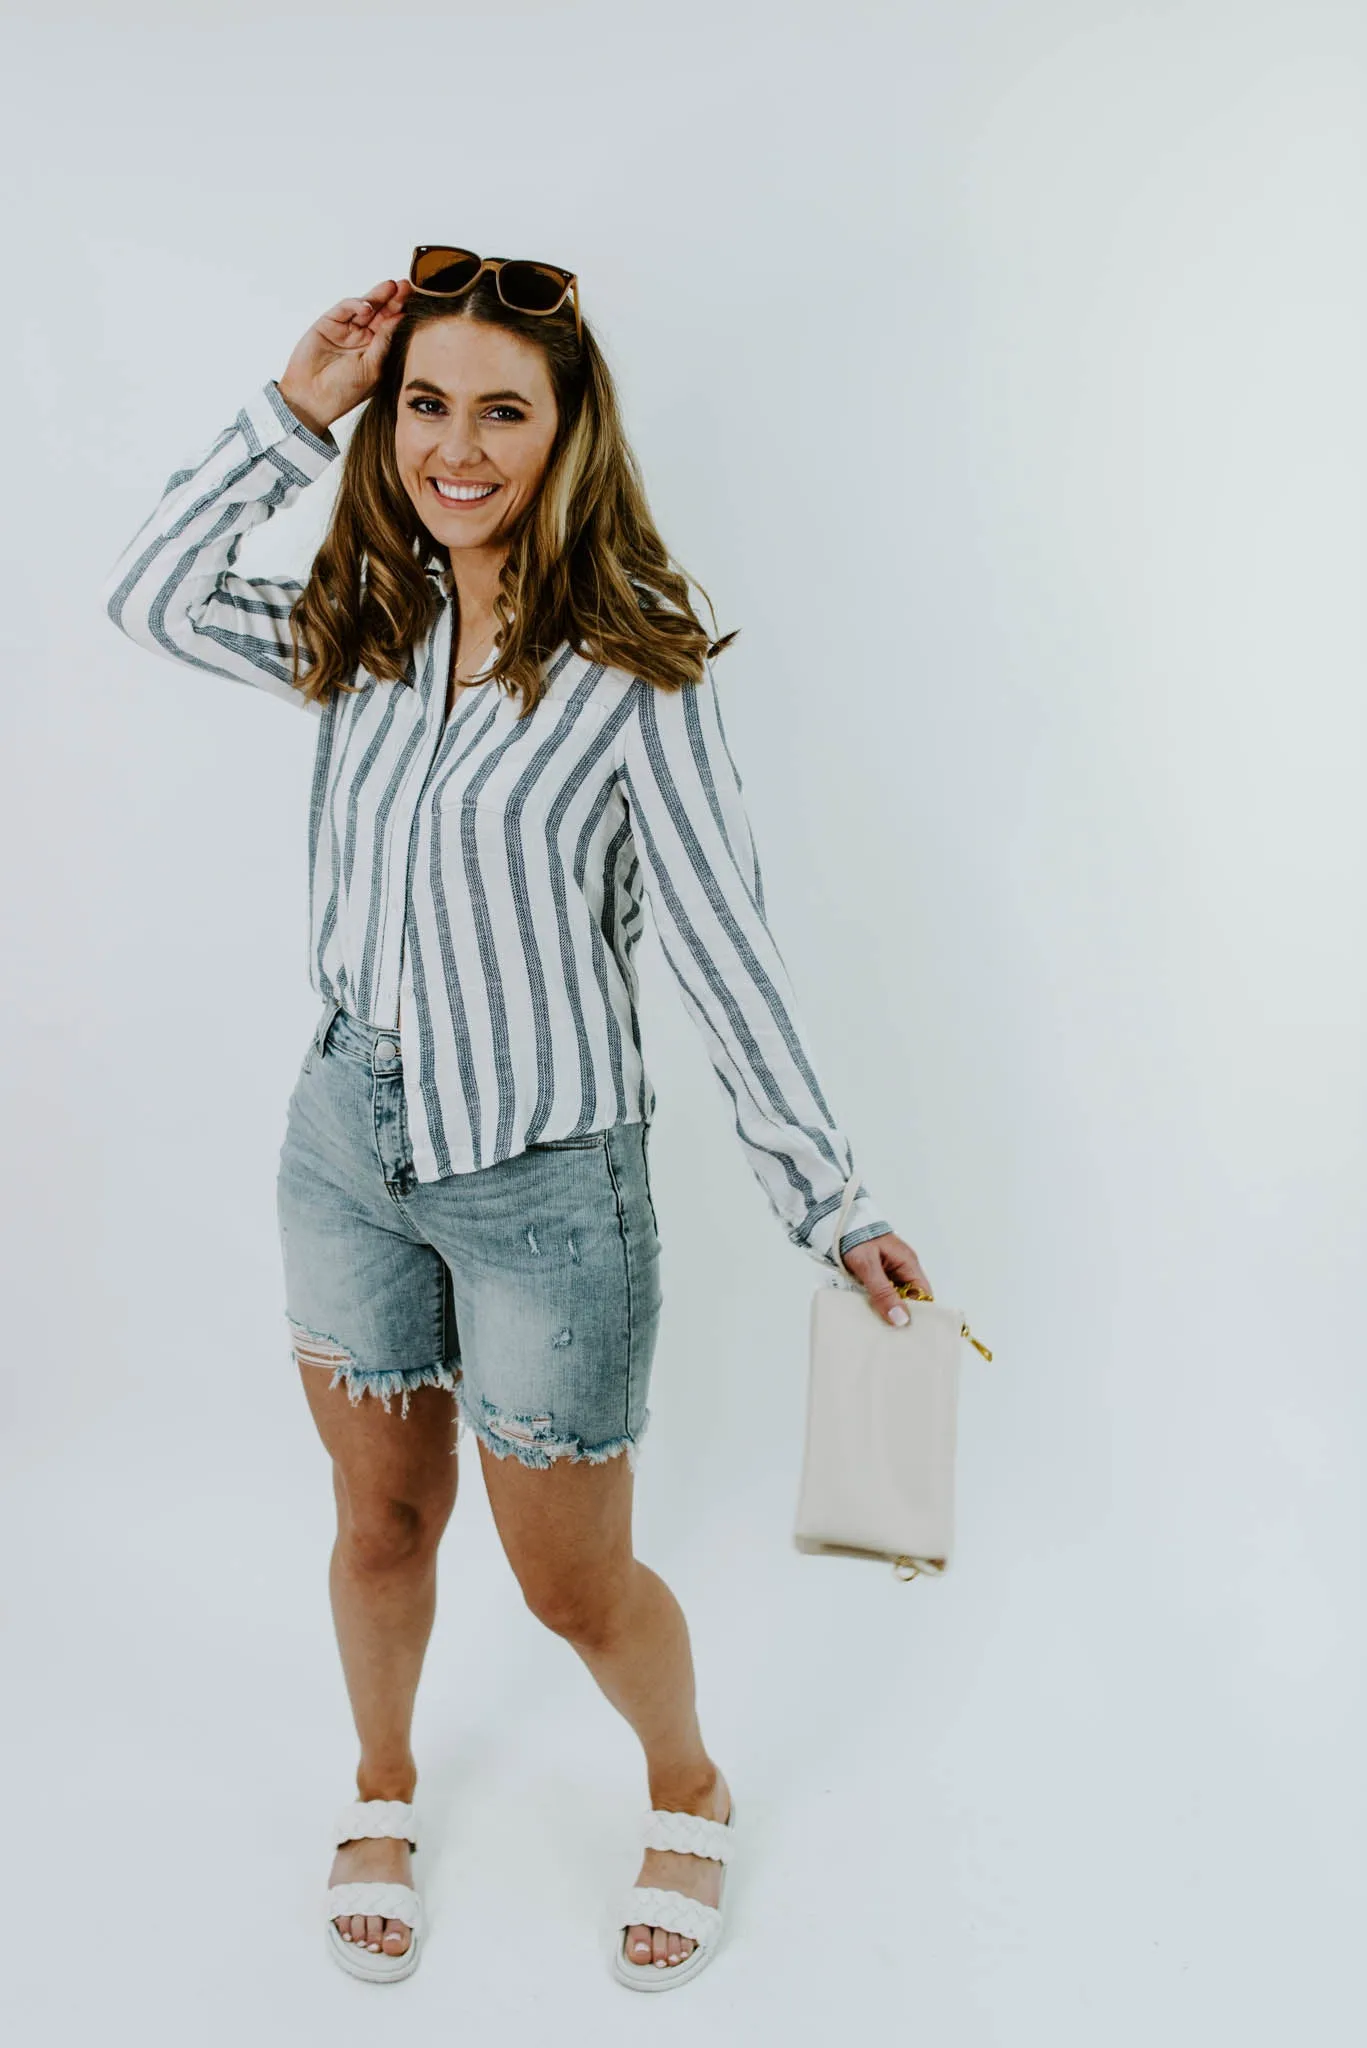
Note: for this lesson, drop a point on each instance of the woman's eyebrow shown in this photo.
(485, 397)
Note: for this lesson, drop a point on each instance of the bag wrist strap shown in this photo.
(851, 1188)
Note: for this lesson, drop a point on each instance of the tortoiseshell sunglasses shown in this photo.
(523, 287)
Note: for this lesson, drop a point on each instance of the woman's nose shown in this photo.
(459, 445)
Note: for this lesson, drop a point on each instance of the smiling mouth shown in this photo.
(463, 494)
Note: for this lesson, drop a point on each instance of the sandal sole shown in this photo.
(347, 1956)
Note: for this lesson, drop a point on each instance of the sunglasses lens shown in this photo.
(444, 270)
(531, 287)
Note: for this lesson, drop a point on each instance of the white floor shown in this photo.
(1063, 1798)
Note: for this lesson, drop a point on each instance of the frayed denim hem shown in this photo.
(384, 1385)
(309, 1347)
(528, 1437)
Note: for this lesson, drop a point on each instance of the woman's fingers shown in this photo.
(357, 319)
(384, 301)
(906, 1269)
(387, 288)
(336, 364)
(343, 327)
(881, 1265)
(390, 311)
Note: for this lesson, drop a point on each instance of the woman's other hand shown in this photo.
(337, 363)
(881, 1265)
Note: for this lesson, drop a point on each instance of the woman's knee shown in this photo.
(380, 1531)
(587, 1611)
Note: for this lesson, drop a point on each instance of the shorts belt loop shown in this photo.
(325, 1023)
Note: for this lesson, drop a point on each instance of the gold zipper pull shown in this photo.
(966, 1332)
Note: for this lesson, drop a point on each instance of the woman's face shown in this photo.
(477, 414)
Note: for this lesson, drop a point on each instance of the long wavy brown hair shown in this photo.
(585, 565)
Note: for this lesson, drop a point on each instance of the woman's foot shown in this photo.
(377, 1861)
(699, 1876)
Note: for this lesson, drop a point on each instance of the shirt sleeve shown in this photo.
(701, 872)
(174, 589)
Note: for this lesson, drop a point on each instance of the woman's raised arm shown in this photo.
(174, 588)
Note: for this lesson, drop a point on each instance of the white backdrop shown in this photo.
(998, 367)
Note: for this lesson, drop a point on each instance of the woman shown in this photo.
(519, 737)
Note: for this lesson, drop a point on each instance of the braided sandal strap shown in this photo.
(689, 1834)
(384, 1901)
(647, 1905)
(376, 1820)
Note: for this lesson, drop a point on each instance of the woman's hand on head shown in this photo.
(881, 1265)
(337, 363)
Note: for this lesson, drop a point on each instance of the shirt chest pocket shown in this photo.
(498, 806)
(535, 783)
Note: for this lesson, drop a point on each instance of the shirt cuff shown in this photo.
(272, 422)
(859, 1226)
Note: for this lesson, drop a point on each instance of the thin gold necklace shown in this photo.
(488, 650)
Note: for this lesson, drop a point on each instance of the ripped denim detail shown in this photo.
(531, 1439)
(311, 1347)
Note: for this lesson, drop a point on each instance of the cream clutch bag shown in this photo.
(882, 1419)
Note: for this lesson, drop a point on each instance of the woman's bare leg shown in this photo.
(394, 1478)
(566, 1529)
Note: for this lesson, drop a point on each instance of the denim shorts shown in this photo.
(529, 1288)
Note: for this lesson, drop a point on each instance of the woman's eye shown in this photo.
(507, 413)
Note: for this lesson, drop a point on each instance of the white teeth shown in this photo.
(464, 493)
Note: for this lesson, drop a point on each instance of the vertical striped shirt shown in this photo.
(477, 883)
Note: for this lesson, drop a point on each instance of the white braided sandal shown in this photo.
(646, 1905)
(374, 1820)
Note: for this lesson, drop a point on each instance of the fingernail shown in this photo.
(898, 1314)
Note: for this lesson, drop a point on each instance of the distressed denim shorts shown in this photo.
(530, 1288)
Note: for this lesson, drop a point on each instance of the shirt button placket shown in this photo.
(411, 796)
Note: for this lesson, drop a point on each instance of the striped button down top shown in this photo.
(476, 884)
